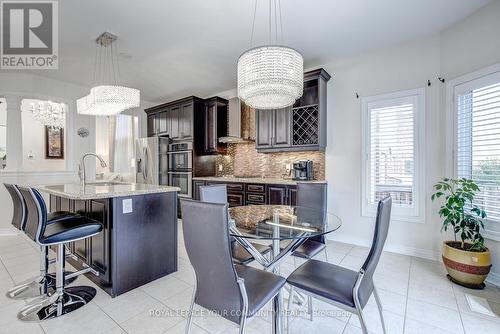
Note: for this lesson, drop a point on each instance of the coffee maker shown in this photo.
(303, 170)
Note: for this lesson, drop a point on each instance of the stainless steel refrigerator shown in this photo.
(152, 160)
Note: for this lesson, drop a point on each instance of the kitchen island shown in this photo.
(138, 243)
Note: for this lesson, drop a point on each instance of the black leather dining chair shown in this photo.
(218, 194)
(36, 286)
(342, 287)
(311, 207)
(235, 292)
(58, 233)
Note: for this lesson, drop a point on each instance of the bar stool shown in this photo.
(58, 233)
(39, 285)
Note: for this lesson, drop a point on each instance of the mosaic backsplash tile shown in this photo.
(243, 160)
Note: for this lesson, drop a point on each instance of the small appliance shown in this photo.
(303, 170)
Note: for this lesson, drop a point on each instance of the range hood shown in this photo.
(241, 123)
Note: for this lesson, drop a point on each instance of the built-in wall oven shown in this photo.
(180, 167)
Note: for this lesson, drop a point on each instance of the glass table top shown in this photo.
(282, 222)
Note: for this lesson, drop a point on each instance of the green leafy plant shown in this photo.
(459, 212)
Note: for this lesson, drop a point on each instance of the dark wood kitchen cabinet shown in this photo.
(94, 251)
(215, 125)
(174, 119)
(301, 127)
(252, 194)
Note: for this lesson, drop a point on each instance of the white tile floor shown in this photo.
(416, 296)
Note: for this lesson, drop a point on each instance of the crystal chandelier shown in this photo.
(105, 99)
(270, 76)
(49, 113)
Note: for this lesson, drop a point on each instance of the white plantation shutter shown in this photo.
(391, 150)
(477, 104)
(392, 158)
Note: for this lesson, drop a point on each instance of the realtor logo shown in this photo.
(29, 34)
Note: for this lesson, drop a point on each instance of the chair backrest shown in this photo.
(19, 216)
(214, 194)
(312, 204)
(206, 237)
(379, 236)
(36, 212)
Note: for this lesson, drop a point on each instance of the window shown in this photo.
(477, 141)
(392, 152)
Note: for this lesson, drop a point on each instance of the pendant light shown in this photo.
(107, 99)
(270, 76)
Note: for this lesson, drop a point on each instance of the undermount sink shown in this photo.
(106, 183)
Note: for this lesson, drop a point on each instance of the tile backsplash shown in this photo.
(243, 160)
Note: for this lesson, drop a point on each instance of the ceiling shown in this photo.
(173, 48)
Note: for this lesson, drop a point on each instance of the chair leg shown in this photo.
(289, 308)
(310, 307)
(190, 313)
(326, 255)
(361, 318)
(379, 306)
(242, 324)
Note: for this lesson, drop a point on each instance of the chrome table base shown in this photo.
(44, 308)
(36, 287)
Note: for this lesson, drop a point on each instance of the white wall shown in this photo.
(467, 46)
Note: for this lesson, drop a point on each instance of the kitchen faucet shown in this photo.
(81, 166)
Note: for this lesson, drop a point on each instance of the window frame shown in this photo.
(415, 214)
(480, 77)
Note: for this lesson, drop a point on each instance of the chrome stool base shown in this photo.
(36, 287)
(55, 306)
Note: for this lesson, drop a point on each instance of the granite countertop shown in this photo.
(100, 190)
(252, 180)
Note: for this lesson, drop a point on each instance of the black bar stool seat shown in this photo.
(69, 229)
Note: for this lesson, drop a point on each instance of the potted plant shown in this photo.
(466, 259)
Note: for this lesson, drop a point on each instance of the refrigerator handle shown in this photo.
(146, 162)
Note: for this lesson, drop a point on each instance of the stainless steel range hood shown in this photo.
(241, 123)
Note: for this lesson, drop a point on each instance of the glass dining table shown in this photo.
(274, 224)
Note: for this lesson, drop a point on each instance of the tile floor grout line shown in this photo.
(407, 294)
(458, 309)
(111, 318)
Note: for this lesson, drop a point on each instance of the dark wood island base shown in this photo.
(137, 245)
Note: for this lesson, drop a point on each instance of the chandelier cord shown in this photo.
(281, 22)
(270, 25)
(253, 23)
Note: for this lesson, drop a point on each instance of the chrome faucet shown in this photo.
(81, 166)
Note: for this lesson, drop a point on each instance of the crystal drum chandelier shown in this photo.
(49, 113)
(270, 76)
(105, 99)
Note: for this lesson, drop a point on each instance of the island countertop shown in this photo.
(100, 190)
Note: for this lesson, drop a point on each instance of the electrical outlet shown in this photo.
(127, 205)
(221, 167)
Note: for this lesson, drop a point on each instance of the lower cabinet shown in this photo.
(239, 194)
(281, 195)
(94, 251)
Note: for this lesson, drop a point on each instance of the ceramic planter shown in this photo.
(466, 268)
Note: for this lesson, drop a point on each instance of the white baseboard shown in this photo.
(399, 249)
(8, 232)
(494, 278)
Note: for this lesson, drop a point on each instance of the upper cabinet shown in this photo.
(215, 125)
(298, 128)
(174, 119)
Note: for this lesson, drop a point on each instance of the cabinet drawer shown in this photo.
(256, 198)
(256, 188)
(234, 187)
(235, 199)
